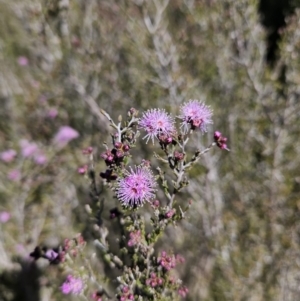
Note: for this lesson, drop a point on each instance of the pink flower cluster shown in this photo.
(31, 150)
(28, 150)
(72, 285)
(220, 140)
(170, 213)
(183, 291)
(8, 155)
(135, 238)
(126, 294)
(158, 124)
(154, 280)
(117, 154)
(168, 262)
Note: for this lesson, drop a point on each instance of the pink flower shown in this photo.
(40, 159)
(96, 296)
(126, 294)
(14, 175)
(135, 238)
(170, 213)
(22, 60)
(156, 122)
(4, 217)
(28, 149)
(178, 156)
(168, 262)
(183, 291)
(108, 157)
(154, 280)
(65, 134)
(52, 256)
(52, 113)
(137, 187)
(8, 155)
(83, 169)
(72, 285)
(217, 135)
(195, 114)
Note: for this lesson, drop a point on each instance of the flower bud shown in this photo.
(178, 156)
(118, 145)
(126, 147)
(82, 170)
(217, 135)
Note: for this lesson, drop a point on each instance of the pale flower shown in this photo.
(157, 122)
(65, 134)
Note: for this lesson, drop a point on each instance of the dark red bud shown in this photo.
(126, 147)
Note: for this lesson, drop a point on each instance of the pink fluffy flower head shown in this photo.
(4, 217)
(195, 114)
(65, 134)
(156, 122)
(72, 285)
(137, 187)
(8, 155)
(23, 61)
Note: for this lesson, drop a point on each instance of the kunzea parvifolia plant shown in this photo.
(143, 273)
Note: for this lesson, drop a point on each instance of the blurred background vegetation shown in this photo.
(62, 60)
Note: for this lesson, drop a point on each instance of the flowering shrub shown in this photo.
(144, 273)
(62, 59)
